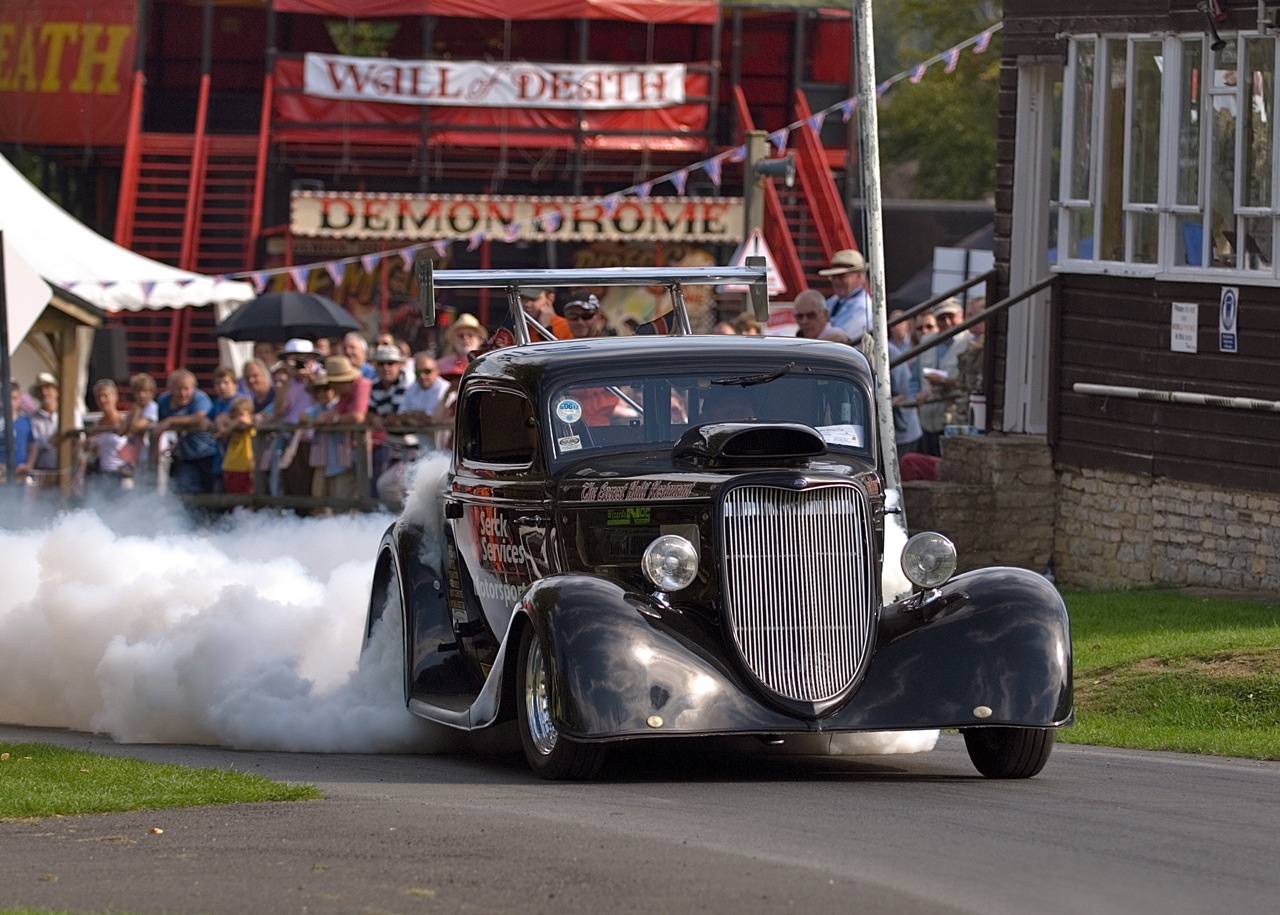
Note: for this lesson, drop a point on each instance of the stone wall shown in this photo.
(1117, 530)
(994, 498)
(1002, 502)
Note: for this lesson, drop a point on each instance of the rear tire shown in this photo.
(550, 754)
(1009, 752)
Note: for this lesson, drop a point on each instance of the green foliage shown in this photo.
(946, 123)
(1165, 670)
(41, 780)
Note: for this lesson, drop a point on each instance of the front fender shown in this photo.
(993, 647)
(620, 672)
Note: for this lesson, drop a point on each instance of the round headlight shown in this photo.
(929, 559)
(670, 562)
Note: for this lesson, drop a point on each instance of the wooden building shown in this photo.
(1137, 167)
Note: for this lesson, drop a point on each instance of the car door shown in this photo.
(498, 513)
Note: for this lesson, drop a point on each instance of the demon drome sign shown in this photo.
(427, 217)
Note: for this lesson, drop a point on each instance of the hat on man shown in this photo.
(338, 369)
(464, 321)
(45, 378)
(584, 301)
(297, 347)
(388, 353)
(949, 306)
(844, 261)
(532, 292)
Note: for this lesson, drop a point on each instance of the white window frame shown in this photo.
(1170, 236)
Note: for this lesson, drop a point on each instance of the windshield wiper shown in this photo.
(762, 378)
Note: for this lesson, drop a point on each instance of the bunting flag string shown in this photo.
(551, 220)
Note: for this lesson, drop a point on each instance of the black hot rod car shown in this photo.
(705, 560)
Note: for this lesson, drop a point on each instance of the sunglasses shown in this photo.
(579, 316)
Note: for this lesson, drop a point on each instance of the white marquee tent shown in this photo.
(69, 254)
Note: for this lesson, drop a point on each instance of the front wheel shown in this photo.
(551, 755)
(1009, 752)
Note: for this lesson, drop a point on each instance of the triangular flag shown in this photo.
(815, 121)
(712, 167)
(260, 281)
(737, 154)
(512, 231)
(441, 246)
(983, 41)
(407, 256)
(300, 276)
(476, 239)
(552, 220)
(847, 107)
(337, 271)
(918, 73)
(148, 286)
(679, 179)
(644, 189)
(779, 138)
(611, 204)
(370, 262)
(953, 58)
(883, 87)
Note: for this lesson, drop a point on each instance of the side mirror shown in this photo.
(423, 274)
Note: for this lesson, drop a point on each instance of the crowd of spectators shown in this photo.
(380, 395)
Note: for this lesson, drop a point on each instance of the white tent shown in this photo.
(69, 254)
(26, 295)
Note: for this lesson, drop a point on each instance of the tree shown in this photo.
(945, 123)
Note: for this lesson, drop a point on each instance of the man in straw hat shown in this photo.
(465, 335)
(849, 308)
(336, 478)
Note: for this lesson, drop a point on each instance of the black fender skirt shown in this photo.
(991, 647)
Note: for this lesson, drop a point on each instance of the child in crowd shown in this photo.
(136, 427)
(323, 399)
(238, 433)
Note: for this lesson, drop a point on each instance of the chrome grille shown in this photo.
(799, 585)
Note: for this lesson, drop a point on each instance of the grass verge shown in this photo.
(1169, 670)
(41, 780)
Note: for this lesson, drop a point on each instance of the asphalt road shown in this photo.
(668, 830)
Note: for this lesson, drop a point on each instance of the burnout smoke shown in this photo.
(129, 621)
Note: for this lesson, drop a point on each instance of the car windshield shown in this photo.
(631, 412)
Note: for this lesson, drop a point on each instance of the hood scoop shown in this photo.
(755, 444)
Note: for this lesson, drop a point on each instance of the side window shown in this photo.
(498, 428)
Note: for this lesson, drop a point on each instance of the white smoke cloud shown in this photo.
(130, 621)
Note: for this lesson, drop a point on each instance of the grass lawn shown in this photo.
(41, 780)
(1168, 670)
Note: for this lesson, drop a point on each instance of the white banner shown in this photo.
(475, 83)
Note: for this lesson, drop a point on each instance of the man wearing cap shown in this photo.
(943, 402)
(539, 304)
(849, 308)
(385, 396)
(582, 311)
(291, 402)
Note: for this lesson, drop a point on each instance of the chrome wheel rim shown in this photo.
(537, 701)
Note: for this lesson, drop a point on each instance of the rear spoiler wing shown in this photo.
(753, 276)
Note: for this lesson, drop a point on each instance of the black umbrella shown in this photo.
(280, 316)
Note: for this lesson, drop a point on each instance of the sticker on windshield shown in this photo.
(847, 435)
(569, 410)
(570, 443)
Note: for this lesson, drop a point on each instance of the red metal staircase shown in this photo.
(806, 224)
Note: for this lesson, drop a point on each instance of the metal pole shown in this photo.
(868, 131)
(753, 183)
(6, 410)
